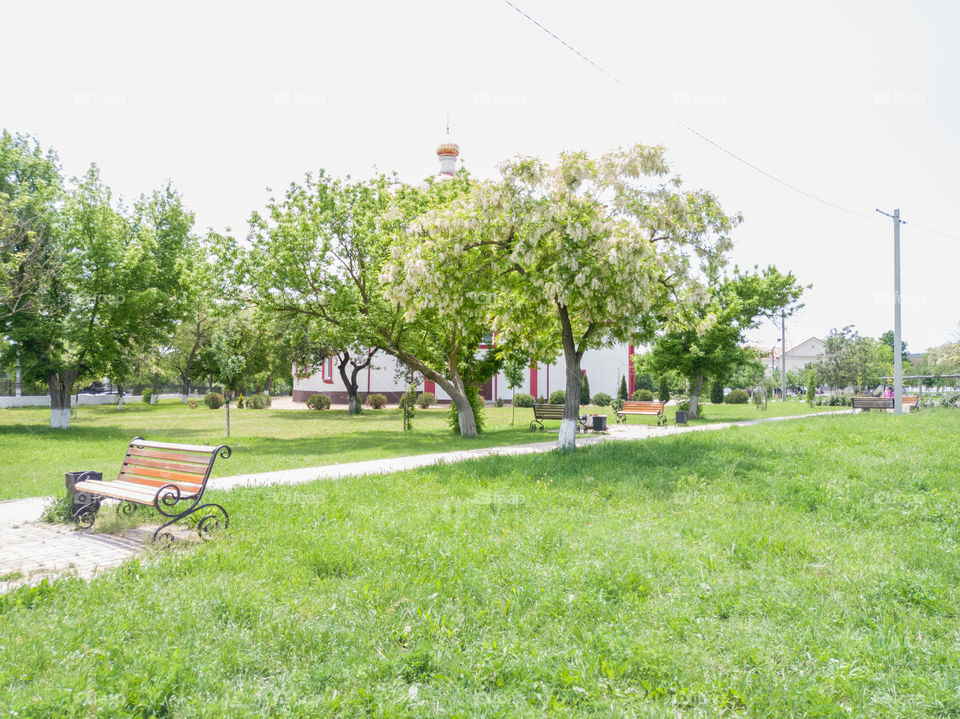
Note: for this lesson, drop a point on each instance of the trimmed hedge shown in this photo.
(259, 401)
(318, 401)
(601, 399)
(737, 396)
(213, 400)
(558, 397)
(426, 399)
(524, 400)
(642, 395)
(377, 401)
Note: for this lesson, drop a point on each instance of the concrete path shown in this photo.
(31, 550)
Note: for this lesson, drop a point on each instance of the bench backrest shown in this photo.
(871, 402)
(653, 407)
(548, 411)
(910, 399)
(157, 464)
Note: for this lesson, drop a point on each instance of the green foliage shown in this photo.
(643, 380)
(850, 360)
(601, 399)
(376, 401)
(213, 400)
(642, 395)
(811, 386)
(663, 392)
(425, 400)
(476, 403)
(716, 392)
(240, 402)
(259, 401)
(59, 510)
(584, 390)
(146, 396)
(737, 396)
(498, 402)
(558, 397)
(408, 406)
(322, 401)
(524, 400)
(622, 392)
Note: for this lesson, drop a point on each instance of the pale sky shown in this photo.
(854, 102)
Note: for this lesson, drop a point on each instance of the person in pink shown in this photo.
(888, 391)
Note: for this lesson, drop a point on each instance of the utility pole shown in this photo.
(897, 341)
(783, 357)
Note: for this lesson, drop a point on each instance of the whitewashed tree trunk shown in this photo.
(60, 385)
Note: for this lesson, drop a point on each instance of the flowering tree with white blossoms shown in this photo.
(572, 256)
(328, 251)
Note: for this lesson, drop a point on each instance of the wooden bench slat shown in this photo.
(177, 447)
(197, 469)
(120, 490)
(151, 472)
(200, 460)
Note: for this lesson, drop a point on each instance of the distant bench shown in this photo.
(159, 475)
(865, 404)
(649, 408)
(552, 411)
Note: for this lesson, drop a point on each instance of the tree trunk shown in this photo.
(153, 390)
(572, 356)
(695, 396)
(61, 386)
(184, 387)
(226, 414)
(571, 407)
(119, 396)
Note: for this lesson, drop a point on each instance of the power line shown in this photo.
(756, 168)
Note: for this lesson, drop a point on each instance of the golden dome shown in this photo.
(448, 149)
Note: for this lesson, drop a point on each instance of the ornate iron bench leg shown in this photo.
(209, 523)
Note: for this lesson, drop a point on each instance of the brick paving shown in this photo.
(32, 550)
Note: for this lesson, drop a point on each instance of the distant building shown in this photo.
(798, 357)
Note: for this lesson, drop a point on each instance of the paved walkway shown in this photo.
(31, 550)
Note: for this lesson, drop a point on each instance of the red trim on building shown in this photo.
(327, 371)
(631, 378)
(533, 380)
(429, 386)
(368, 379)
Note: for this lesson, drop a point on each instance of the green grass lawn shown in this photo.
(35, 457)
(804, 568)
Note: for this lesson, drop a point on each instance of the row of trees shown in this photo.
(552, 259)
(93, 288)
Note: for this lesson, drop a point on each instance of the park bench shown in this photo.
(552, 411)
(169, 477)
(649, 408)
(865, 404)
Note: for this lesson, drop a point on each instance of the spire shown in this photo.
(447, 153)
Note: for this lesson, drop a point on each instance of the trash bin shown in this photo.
(681, 417)
(82, 499)
(599, 423)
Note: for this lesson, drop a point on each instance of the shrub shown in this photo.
(683, 406)
(193, 404)
(622, 392)
(376, 401)
(663, 393)
(600, 399)
(716, 392)
(642, 395)
(213, 400)
(644, 381)
(473, 394)
(584, 389)
(524, 400)
(407, 405)
(811, 386)
(737, 396)
(318, 401)
(259, 401)
(499, 402)
(426, 399)
(240, 402)
(558, 397)
(146, 396)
